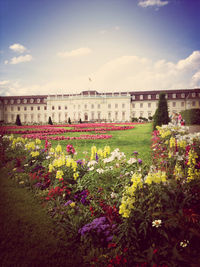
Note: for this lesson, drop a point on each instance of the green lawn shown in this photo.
(137, 139)
(28, 236)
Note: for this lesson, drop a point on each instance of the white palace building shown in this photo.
(92, 106)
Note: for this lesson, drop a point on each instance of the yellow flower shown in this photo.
(35, 153)
(73, 204)
(59, 174)
(50, 167)
(58, 149)
(37, 141)
(76, 175)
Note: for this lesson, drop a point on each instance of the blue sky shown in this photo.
(49, 46)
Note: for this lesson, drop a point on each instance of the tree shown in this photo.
(50, 121)
(18, 121)
(69, 121)
(80, 121)
(161, 115)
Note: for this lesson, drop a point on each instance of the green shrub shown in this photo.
(161, 115)
(50, 121)
(18, 121)
(191, 116)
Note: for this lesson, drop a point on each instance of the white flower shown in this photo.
(113, 195)
(156, 223)
(91, 163)
(100, 171)
(48, 157)
(91, 169)
(131, 161)
(184, 243)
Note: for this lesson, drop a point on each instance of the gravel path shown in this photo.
(194, 128)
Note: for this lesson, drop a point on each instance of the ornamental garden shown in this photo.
(137, 207)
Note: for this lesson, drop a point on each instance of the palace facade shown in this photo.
(93, 106)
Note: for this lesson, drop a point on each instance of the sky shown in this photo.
(68, 46)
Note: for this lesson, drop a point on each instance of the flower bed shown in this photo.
(119, 211)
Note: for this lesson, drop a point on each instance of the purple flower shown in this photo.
(139, 161)
(97, 158)
(68, 203)
(135, 152)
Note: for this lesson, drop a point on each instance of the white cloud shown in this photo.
(18, 48)
(137, 73)
(125, 73)
(75, 53)
(20, 59)
(5, 82)
(155, 3)
(191, 62)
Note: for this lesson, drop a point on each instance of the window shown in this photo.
(92, 106)
(133, 97)
(116, 105)
(116, 115)
(141, 105)
(45, 107)
(182, 95)
(18, 108)
(38, 108)
(5, 108)
(141, 97)
(85, 106)
(193, 103)
(133, 114)
(53, 107)
(92, 115)
(123, 105)
(25, 108)
(25, 117)
(31, 108)
(109, 105)
(149, 96)
(32, 117)
(173, 95)
(99, 115)
(99, 106)
(109, 115)
(182, 104)
(149, 105)
(133, 105)
(123, 115)
(174, 104)
(193, 94)
(65, 107)
(59, 107)
(157, 96)
(12, 108)
(141, 113)
(18, 101)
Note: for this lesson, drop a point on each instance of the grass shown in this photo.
(137, 139)
(28, 235)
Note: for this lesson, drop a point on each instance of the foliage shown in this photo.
(191, 116)
(18, 121)
(69, 121)
(161, 115)
(50, 121)
(118, 210)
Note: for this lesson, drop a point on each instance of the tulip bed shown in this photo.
(117, 211)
